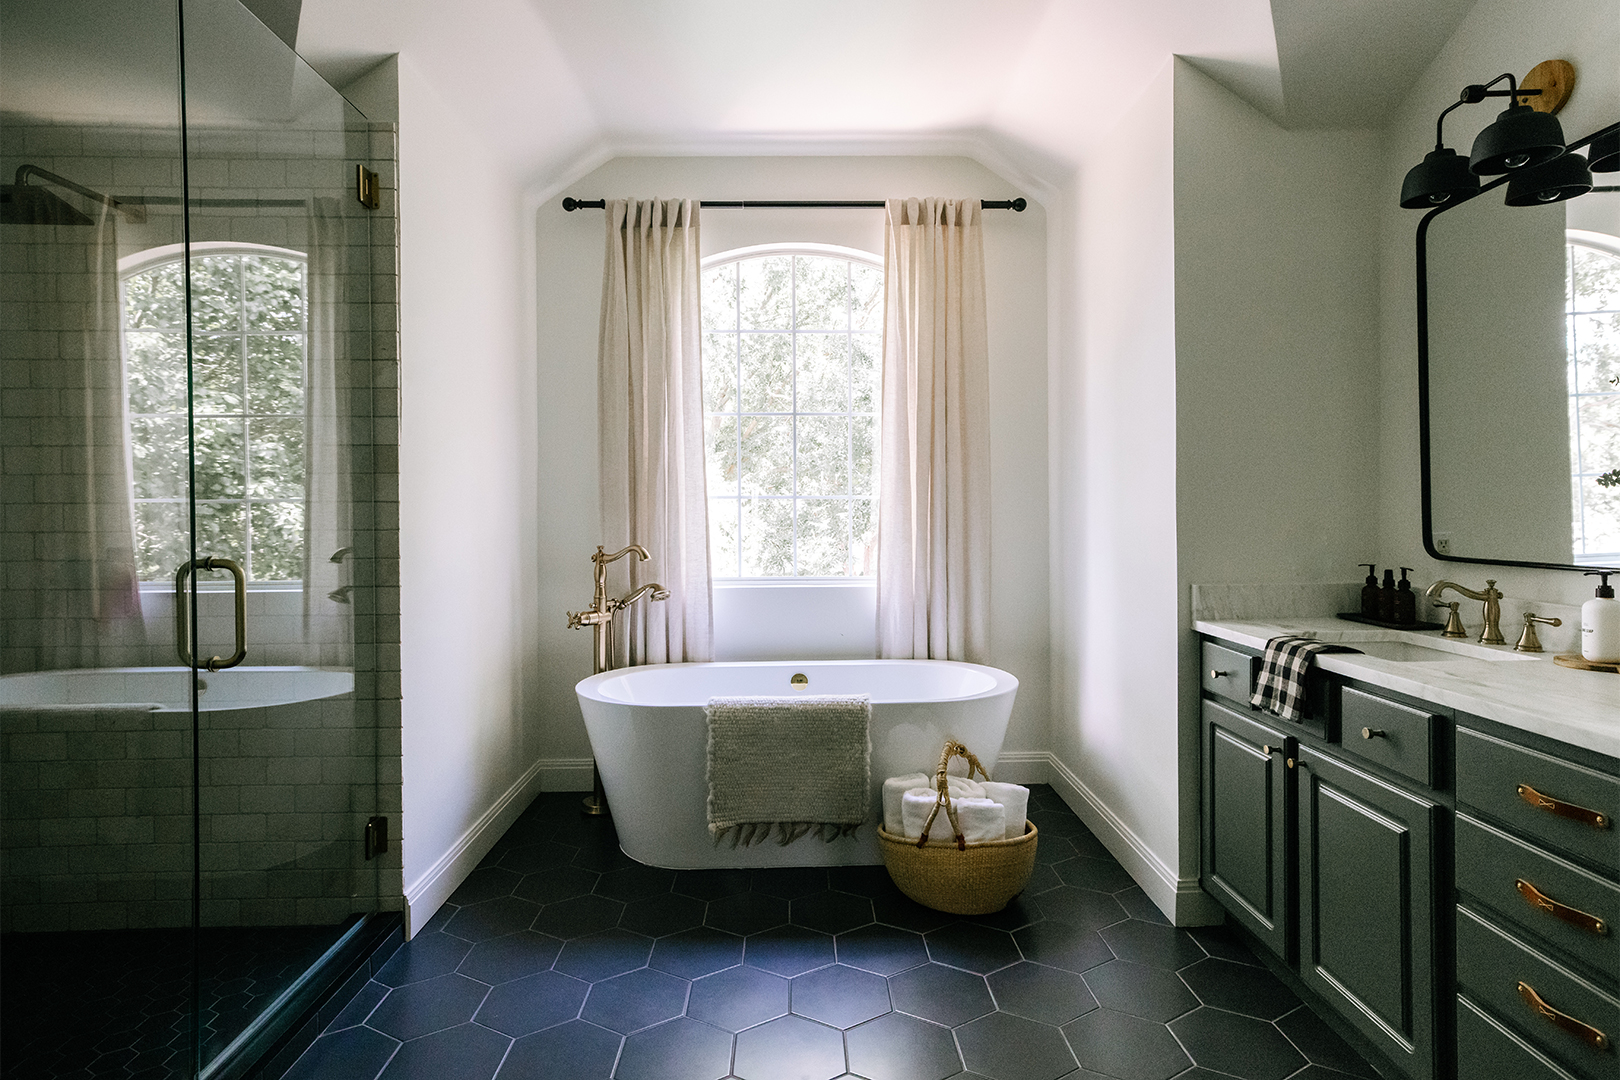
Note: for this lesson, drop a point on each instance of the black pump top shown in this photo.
(1605, 591)
(1372, 572)
(1405, 585)
(1389, 579)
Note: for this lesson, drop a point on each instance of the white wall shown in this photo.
(464, 506)
(1496, 36)
(798, 621)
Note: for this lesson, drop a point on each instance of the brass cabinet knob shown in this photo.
(1218, 674)
(1374, 733)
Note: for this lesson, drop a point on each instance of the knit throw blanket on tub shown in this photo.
(788, 766)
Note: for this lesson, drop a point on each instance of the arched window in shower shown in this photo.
(1592, 323)
(250, 327)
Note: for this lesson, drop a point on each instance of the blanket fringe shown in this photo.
(749, 833)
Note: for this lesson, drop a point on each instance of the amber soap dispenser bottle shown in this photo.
(1369, 592)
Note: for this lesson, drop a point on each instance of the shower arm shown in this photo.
(133, 212)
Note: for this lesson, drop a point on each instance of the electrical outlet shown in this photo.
(1442, 543)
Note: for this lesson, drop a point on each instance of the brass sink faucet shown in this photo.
(599, 616)
(1492, 596)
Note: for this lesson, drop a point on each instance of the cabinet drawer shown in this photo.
(1388, 733)
(1493, 967)
(1229, 673)
(1487, 1050)
(1564, 804)
(1568, 907)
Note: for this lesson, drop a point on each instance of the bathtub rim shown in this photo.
(1004, 682)
(183, 707)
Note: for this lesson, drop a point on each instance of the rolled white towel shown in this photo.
(1015, 797)
(979, 818)
(896, 786)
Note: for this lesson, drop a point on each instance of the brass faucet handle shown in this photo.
(1528, 641)
(578, 620)
(1454, 625)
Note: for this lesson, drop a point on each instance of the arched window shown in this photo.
(792, 358)
(249, 339)
(1592, 322)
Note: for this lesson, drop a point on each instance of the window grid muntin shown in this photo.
(1579, 469)
(241, 334)
(848, 334)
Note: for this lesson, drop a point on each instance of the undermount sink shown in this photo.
(1406, 652)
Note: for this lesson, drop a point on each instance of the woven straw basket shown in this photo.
(959, 878)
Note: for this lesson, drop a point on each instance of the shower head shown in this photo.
(27, 204)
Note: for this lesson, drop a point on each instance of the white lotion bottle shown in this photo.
(1600, 623)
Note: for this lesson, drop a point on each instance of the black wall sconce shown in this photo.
(1521, 138)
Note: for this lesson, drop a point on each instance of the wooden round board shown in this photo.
(1576, 660)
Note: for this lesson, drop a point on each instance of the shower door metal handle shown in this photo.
(182, 611)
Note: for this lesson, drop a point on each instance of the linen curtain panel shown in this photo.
(71, 597)
(328, 472)
(650, 405)
(934, 491)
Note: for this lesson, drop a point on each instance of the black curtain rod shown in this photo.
(571, 204)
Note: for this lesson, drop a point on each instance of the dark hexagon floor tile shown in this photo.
(485, 883)
(557, 883)
(530, 858)
(669, 913)
(357, 1051)
(1019, 912)
(790, 1048)
(681, 1049)
(790, 882)
(1046, 994)
(900, 1047)
(942, 994)
(1149, 992)
(359, 1007)
(428, 1006)
(1239, 988)
(867, 881)
(468, 1052)
(897, 909)
(1053, 846)
(1321, 1045)
(712, 884)
(1240, 1045)
(493, 918)
(604, 955)
(1136, 902)
(572, 1051)
(1128, 1047)
(1101, 875)
(971, 947)
(537, 1001)
(1225, 943)
(886, 950)
(510, 957)
(830, 912)
(746, 913)
(738, 998)
(1012, 1048)
(840, 996)
(603, 857)
(697, 952)
(635, 882)
(788, 950)
(425, 956)
(1041, 878)
(578, 916)
(635, 1000)
(1083, 907)
(1062, 944)
(1149, 943)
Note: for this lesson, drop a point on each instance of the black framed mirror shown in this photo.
(1518, 311)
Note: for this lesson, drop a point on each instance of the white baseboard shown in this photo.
(1024, 767)
(428, 892)
(1182, 900)
(565, 774)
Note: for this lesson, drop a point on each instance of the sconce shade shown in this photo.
(1560, 179)
(1604, 154)
(1442, 176)
(1521, 138)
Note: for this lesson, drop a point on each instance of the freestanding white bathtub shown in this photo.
(650, 737)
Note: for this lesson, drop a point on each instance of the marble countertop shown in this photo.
(1526, 691)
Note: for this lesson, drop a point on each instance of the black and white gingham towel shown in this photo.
(1280, 689)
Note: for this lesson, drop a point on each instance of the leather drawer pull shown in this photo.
(1562, 809)
(1585, 1032)
(1574, 916)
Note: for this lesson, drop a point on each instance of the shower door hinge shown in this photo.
(376, 836)
(367, 187)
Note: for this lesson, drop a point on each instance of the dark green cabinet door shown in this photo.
(1367, 906)
(1245, 827)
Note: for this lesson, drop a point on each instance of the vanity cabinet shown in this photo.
(1246, 822)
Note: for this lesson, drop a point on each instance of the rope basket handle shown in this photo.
(943, 798)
